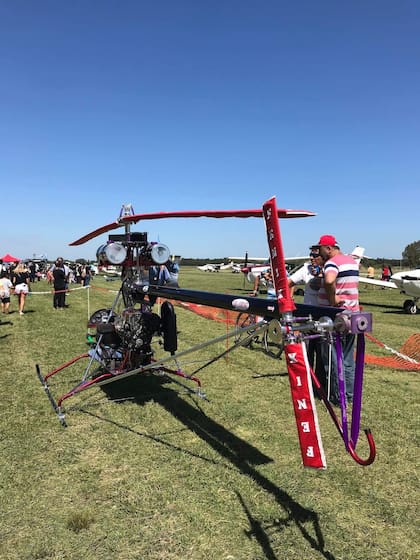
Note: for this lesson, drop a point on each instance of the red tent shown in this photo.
(9, 259)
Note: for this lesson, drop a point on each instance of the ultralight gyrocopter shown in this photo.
(122, 346)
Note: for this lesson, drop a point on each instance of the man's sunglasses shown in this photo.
(313, 254)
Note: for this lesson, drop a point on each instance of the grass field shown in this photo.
(146, 471)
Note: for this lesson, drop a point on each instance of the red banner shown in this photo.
(296, 357)
(278, 265)
(304, 406)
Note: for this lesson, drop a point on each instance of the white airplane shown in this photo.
(227, 266)
(236, 268)
(110, 270)
(408, 282)
(210, 267)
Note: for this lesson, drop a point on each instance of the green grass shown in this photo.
(161, 474)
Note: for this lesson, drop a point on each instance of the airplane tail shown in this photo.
(358, 253)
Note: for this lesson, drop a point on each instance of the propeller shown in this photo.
(134, 218)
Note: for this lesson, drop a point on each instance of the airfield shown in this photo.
(147, 471)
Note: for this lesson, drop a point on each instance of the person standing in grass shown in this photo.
(87, 276)
(370, 272)
(5, 287)
(60, 278)
(20, 281)
(340, 288)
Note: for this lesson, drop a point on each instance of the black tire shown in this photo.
(410, 307)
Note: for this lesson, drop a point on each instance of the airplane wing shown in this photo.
(266, 259)
(382, 283)
(133, 219)
(250, 259)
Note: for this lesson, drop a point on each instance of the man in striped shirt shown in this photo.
(340, 288)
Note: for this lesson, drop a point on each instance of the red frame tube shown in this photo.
(67, 364)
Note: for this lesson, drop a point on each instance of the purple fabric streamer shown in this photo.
(342, 390)
(358, 389)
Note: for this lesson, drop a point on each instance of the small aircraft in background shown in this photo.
(210, 267)
(408, 282)
(236, 268)
(227, 266)
(109, 271)
(216, 267)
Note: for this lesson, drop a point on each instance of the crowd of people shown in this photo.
(16, 278)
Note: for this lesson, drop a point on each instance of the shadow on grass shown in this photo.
(2, 323)
(243, 456)
(263, 375)
(391, 307)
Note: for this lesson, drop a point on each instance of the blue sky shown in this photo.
(190, 105)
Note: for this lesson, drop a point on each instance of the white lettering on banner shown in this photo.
(305, 427)
(298, 381)
(301, 404)
(292, 358)
(310, 451)
(274, 252)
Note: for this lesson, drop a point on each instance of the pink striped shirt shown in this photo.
(346, 272)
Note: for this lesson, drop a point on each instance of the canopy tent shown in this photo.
(9, 259)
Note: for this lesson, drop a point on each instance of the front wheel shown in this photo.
(410, 307)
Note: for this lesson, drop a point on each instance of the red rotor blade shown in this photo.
(256, 213)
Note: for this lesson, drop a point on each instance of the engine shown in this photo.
(136, 328)
(123, 340)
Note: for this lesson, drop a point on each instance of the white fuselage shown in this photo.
(408, 282)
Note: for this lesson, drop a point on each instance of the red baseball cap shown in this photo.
(328, 240)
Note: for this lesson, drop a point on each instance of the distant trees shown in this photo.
(411, 254)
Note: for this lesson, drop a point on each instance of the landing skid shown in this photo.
(93, 377)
